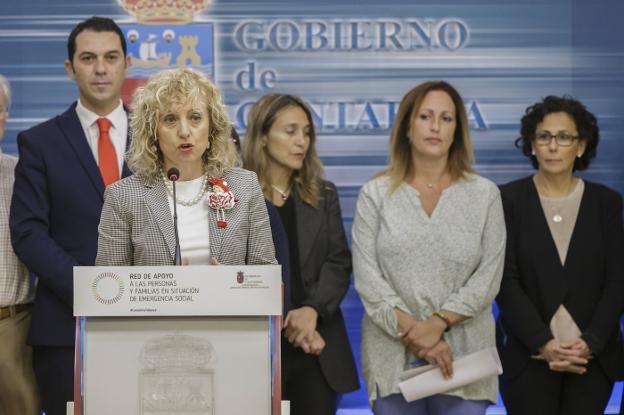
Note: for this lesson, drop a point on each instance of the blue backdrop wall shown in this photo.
(353, 61)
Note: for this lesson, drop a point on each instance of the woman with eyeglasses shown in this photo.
(563, 284)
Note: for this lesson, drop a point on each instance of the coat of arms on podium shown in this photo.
(177, 376)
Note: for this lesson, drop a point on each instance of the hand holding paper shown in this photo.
(441, 356)
(428, 380)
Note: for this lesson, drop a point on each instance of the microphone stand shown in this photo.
(178, 256)
(173, 174)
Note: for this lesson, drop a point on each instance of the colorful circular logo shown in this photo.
(108, 288)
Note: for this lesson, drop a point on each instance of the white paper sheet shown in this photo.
(427, 380)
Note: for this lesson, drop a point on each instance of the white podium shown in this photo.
(178, 340)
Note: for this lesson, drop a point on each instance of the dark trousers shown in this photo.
(54, 371)
(540, 391)
(304, 385)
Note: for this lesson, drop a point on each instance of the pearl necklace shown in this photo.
(283, 193)
(183, 202)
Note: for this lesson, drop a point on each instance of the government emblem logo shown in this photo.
(165, 37)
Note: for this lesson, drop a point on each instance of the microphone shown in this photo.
(173, 174)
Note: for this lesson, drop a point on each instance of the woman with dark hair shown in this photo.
(428, 246)
(317, 363)
(563, 285)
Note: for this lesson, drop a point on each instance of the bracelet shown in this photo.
(441, 315)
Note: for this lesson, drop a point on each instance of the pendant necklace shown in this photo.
(435, 185)
(557, 218)
(283, 193)
(556, 215)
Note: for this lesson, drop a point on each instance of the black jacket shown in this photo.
(590, 284)
(325, 265)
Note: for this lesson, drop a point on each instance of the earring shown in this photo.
(532, 152)
(579, 155)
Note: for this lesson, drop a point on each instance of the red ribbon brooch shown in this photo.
(221, 198)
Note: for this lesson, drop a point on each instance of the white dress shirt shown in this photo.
(118, 132)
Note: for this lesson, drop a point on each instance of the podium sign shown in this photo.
(223, 290)
(178, 340)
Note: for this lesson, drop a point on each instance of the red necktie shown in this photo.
(106, 153)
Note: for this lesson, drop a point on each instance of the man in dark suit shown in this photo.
(64, 166)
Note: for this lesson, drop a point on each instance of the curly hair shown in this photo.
(307, 180)
(154, 99)
(585, 122)
(460, 155)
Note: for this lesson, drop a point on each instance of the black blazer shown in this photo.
(325, 266)
(590, 284)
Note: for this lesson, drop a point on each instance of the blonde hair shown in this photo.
(460, 154)
(307, 180)
(164, 90)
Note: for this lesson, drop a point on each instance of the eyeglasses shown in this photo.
(562, 138)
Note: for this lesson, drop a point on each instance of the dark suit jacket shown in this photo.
(55, 211)
(590, 284)
(325, 265)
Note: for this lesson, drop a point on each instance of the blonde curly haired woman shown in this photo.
(178, 120)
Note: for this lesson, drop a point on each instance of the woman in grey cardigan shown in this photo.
(428, 248)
